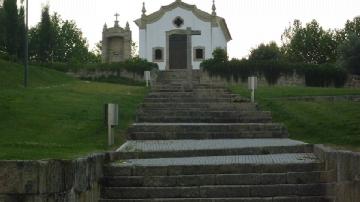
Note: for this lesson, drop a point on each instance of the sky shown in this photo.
(250, 22)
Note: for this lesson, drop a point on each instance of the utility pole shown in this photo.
(26, 55)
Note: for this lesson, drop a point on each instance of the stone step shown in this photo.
(218, 179)
(187, 100)
(163, 131)
(220, 147)
(232, 199)
(218, 191)
(204, 112)
(157, 118)
(238, 164)
(213, 106)
(191, 95)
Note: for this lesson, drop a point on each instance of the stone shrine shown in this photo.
(116, 43)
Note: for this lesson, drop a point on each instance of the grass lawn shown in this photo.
(319, 122)
(58, 117)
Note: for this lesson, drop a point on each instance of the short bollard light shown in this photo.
(252, 85)
(147, 76)
(111, 120)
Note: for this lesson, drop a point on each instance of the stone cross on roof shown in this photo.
(116, 20)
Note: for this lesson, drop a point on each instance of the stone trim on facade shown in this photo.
(187, 32)
(215, 20)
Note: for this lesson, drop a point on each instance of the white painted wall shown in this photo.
(155, 36)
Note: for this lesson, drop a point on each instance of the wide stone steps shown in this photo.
(211, 106)
(233, 199)
(217, 179)
(200, 143)
(221, 147)
(218, 191)
(163, 131)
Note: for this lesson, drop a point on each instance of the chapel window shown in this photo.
(178, 22)
(158, 54)
(199, 53)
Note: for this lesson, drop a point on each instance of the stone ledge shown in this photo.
(67, 180)
(346, 165)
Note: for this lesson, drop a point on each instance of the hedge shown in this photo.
(134, 65)
(315, 75)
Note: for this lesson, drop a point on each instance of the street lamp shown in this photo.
(26, 55)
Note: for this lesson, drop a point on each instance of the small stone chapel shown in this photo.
(180, 36)
(116, 43)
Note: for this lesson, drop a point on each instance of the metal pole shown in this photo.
(26, 55)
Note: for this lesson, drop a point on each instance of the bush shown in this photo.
(133, 65)
(315, 75)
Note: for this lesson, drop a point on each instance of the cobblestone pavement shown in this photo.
(181, 145)
(297, 158)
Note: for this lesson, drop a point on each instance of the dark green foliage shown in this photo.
(266, 52)
(310, 44)
(349, 54)
(55, 40)
(134, 65)
(315, 75)
(21, 34)
(324, 75)
(220, 55)
(46, 37)
(11, 26)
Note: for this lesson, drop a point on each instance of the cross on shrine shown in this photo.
(117, 15)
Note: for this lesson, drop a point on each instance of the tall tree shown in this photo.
(2, 29)
(269, 51)
(349, 54)
(21, 34)
(11, 26)
(309, 44)
(46, 37)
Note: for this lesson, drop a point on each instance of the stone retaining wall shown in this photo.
(347, 169)
(53, 180)
(99, 73)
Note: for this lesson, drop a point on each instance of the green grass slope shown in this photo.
(335, 123)
(58, 117)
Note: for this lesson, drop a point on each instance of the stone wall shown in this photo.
(353, 81)
(347, 172)
(54, 180)
(98, 73)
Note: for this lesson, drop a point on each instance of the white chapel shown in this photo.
(180, 36)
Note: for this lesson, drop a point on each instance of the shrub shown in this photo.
(133, 65)
(315, 75)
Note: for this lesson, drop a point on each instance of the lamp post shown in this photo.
(26, 55)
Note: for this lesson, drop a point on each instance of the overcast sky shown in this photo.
(250, 22)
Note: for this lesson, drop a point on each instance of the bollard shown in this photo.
(112, 120)
(252, 85)
(147, 76)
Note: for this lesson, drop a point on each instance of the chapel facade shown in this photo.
(116, 43)
(181, 36)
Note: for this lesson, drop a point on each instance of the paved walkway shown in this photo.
(297, 158)
(181, 145)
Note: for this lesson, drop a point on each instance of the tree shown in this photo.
(2, 29)
(46, 38)
(21, 34)
(220, 55)
(11, 26)
(349, 54)
(269, 51)
(309, 44)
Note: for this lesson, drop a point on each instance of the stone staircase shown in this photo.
(194, 142)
